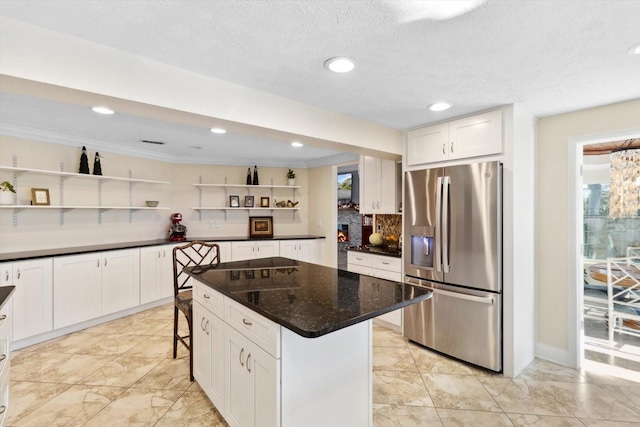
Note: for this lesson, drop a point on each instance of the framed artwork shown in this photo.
(40, 197)
(235, 274)
(265, 273)
(264, 202)
(234, 201)
(248, 201)
(261, 227)
(249, 274)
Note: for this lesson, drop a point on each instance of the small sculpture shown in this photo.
(280, 204)
(97, 169)
(255, 175)
(291, 204)
(84, 161)
(177, 231)
(248, 176)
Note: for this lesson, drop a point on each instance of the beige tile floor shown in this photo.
(121, 374)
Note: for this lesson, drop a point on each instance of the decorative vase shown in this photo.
(6, 198)
(292, 182)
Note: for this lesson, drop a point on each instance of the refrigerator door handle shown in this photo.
(484, 300)
(445, 223)
(438, 256)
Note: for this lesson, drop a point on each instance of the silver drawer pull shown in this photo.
(248, 366)
(241, 352)
(2, 317)
(2, 357)
(202, 324)
(359, 259)
(385, 263)
(2, 409)
(206, 296)
(18, 274)
(246, 322)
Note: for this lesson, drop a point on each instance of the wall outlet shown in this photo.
(379, 228)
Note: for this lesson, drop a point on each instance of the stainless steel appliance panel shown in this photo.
(460, 322)
(420, 216)
(471, 229)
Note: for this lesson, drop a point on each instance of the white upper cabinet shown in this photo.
(377, 186)
(479, 135)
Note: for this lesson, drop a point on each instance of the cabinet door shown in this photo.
(428, 144)
(6, 274)
(33, 299)
(120, 280)
(479, 135)
(289, 249)
(239, 402)
(242, 250)
(267, 249)
(201, 348)
(150, 274)
(265, 379)
(307, 250)
(225, 251)
(76, 289)
(166, 271)
(387, 184)
(369, 184)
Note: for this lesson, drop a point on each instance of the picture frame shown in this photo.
(248, 201)
(40, 197)
(265, 273)
(249, 274)
(261, 227)
(234, 201)
(234, 274)
(264, 202)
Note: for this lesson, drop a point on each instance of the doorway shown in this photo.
(598, 237)
(349, 218)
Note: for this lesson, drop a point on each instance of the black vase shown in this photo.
(84, 161)
(248, 176)
(97, 168)
(255, 176)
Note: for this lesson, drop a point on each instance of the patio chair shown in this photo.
(623, 295)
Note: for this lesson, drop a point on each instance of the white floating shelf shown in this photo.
(245, 186)
(138, 208)
(203, 208)
(78, 175)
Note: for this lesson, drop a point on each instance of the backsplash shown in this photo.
(390, 224)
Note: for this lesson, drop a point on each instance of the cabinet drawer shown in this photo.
(210, 299)
(387, 263)
(387, 275)
(357, 258)
(255, 327)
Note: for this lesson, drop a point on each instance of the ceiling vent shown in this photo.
(146, 141)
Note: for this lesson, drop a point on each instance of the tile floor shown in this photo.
(121, 374)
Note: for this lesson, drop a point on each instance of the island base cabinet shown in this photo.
(208, 356)
(327, 381)
(251, 383)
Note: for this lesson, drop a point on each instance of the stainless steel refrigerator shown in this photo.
(453, 245)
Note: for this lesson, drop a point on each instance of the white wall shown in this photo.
(42, 229)
(323, 209)
(554, 250)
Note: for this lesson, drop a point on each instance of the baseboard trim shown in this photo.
(553, 354)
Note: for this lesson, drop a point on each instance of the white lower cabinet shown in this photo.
(32, 301)
(307, 250)
(89, 286)
(5, 358)
(252, 249)
(156, 273)
(251, 382)
(208, 356)
(382, 267)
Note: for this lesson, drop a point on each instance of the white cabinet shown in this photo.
(379, 266)
(93, 285)
(254, 249)
(377, 186)
(156, 273)
(307, 250)
(252, 385)
(32, 301)
(208, 356)
(5, 358)
(474, 136)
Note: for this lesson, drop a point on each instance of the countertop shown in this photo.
(376, 250)
(5, 293)
(76, 250)
(310, 300)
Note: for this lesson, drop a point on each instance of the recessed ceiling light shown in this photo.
(218, 130)
(102, 110)
(439, 106)
(339, 64)
(635, 50)
(297, 144)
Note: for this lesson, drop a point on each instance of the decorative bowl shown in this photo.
(376, 239)
(152, 203)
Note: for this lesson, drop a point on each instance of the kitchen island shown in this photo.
(279, 342)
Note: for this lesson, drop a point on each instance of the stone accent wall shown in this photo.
(354, 219)
(604, 237)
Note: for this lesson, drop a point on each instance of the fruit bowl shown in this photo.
(152, 203)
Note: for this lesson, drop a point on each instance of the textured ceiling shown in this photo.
(549, 57)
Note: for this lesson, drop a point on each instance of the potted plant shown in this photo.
(6, 193)
(292, 177)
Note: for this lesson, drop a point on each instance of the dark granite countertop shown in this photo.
(76, 250)
(5, 293)
(376, 250)
(310, 300)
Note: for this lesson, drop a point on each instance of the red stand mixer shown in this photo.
(177, 231)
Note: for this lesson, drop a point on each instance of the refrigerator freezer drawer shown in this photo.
(462, 323)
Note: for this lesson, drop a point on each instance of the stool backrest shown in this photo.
(192, 254)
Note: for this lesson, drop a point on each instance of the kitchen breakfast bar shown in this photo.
(279, 342)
